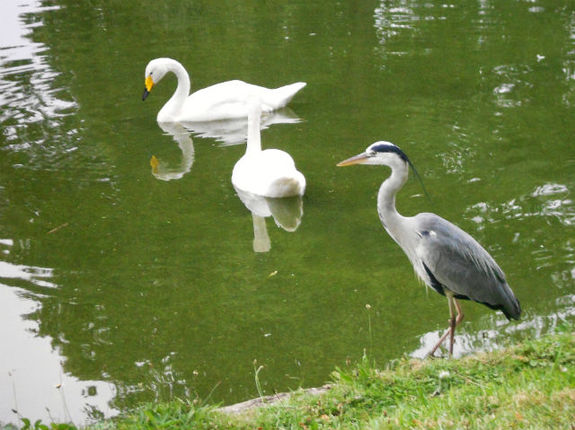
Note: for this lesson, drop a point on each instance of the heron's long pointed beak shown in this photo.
(356, 159)
(149, 84)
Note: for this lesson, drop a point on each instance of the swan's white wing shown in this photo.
(223, 100)
(230, 100)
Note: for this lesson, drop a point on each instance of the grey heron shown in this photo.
(443, 256)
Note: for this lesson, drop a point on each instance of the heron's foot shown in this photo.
(437, 350)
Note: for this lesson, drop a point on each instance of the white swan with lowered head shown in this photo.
(220, 101)
(267, 173)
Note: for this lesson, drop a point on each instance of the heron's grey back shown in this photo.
(462, 266)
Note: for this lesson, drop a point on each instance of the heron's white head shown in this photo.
(379, 153)
(386, 154)
(155, 71)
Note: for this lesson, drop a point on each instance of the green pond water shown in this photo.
(120, 284)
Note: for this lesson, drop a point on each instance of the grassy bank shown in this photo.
(531, 385)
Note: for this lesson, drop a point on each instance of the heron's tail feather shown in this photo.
(510, 307)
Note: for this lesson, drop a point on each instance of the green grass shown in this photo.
(527, 386)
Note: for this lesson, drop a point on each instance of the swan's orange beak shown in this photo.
(356, 159)
(149, 84)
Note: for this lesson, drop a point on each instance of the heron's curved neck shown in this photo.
(183, 90)
(386, 196)
(254, 144)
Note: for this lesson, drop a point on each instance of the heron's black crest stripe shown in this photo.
(385, 147)
(416, 174)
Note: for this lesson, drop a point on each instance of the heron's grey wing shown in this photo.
(456, 261)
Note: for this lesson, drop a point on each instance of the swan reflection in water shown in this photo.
(234, 131)
(165, 171)
(227, 132)
(286, 212)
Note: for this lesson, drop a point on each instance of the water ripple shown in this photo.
(512, 79)
(10, 272)
(393, 18)
(32, 105)
(544, 201)
(34, 382)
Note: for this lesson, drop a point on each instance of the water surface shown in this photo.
(120, 283)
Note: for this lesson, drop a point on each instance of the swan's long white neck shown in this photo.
(254, 144)
(388, 214)
(177, 100)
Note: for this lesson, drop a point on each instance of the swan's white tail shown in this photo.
(281, 96)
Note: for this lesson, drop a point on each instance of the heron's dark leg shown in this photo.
(454, 321)
(448, 331)
(430, 354)
(452, 325)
